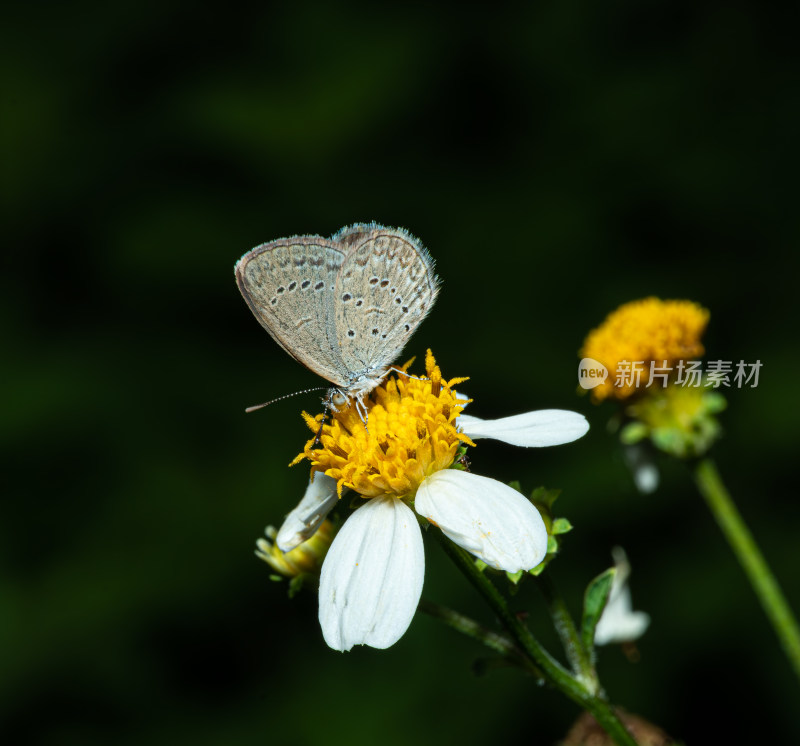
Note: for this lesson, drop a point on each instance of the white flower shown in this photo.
(372, 576)
(618, 622)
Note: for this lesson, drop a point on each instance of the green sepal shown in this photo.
(461, 462)
(276, 578)
(679, 420)
(543, 500)
(715, 402)
(561, 526)
(669, 441)
(541, 496)
(296, 584)
(594, 601)
(633, 432)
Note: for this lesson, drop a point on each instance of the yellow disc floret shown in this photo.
(645, 331)
(409, 434)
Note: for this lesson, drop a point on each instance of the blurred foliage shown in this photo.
(558, 159)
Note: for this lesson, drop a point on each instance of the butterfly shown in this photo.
(343, 306)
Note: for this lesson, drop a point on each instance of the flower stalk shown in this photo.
(553, 672)
(577, 655)
(711, 487)
(470, 628)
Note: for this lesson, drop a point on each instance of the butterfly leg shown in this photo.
(328, 406)
(363, 412)
(407, 375)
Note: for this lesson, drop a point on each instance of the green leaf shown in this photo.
(594, 601)
(515, 485)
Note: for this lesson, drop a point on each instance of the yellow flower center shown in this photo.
(410, 433)
(645, 331)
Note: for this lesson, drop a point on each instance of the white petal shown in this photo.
(544, 427)
(304, 520)
(619, 623)
(372, 576)
(494, 522)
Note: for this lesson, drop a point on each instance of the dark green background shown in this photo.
(558, 159)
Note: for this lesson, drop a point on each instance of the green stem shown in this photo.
(552, 670)
(577, 655)
(755, 566)
(469, 627)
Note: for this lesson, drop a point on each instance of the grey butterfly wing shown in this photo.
(386, 287)
(289, 285)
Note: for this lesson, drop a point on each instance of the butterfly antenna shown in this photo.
(285, 396)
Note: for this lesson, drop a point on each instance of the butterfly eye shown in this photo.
(338, 399)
